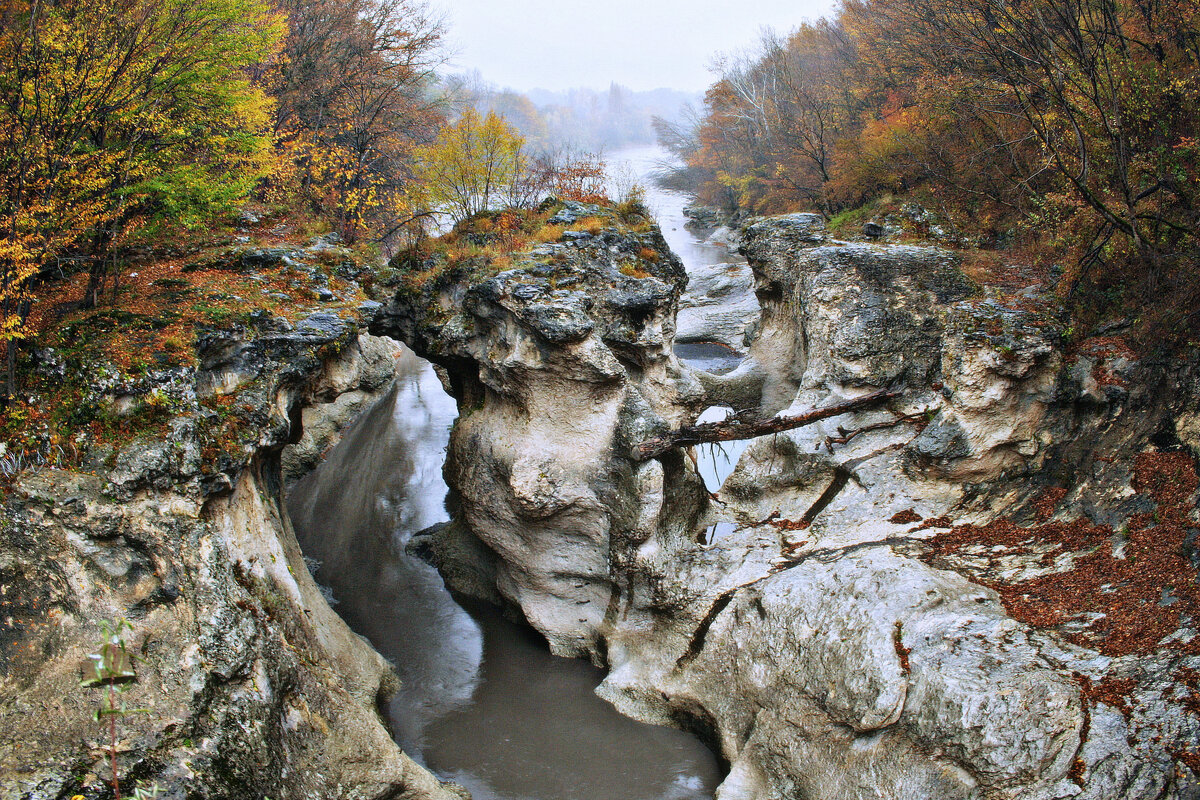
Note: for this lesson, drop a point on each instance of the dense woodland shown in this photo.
(1066, 129)
(135, 124)
(123, 120)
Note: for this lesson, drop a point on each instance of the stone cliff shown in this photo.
(250, 685)
(986, 589)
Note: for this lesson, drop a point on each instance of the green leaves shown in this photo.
(118, 112)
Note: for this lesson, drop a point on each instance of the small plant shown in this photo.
(633, 270)
(548, 233)
(112, 670)
(592, 225)
(648, 254)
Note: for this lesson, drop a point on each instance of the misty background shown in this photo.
(593, 76)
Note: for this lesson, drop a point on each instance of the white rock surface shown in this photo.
(718, 305)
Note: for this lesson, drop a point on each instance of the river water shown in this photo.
(639, 163)
(482, 702)
(714, 462)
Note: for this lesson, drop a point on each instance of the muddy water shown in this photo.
(483, 702)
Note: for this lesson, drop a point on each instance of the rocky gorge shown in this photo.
(247, 683)
(985, 588)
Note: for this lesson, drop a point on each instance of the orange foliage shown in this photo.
(1069, 120)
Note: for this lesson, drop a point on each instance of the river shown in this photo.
(482, 703)
(715, 462)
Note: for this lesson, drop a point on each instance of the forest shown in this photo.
(1064, 131)
(128, 125)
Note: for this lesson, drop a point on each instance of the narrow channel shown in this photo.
(482, 702)
(702, 257)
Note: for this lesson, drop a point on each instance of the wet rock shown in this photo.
(348, 386)
(873, 230)
(704, 218)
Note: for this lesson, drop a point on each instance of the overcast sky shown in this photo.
(642, 44)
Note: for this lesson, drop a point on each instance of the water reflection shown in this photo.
(535, 730)
(708, 356)
(716, 460)
(355, 513)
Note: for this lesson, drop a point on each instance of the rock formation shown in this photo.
(930, 600)
(252, 686)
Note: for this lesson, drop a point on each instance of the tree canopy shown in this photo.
(118, 112)
(355, 94)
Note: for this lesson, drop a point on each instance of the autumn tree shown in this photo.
(1089, 106)
(354, 90)
(1070, 120)
(471, 166)
(775, 118)
(113, 113)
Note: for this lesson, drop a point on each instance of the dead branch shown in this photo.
(845, 436)
(736, 428)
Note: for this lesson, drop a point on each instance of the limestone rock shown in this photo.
(254, 687)
(799, 623)
(718, 306)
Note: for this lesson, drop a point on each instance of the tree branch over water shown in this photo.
(738, 428)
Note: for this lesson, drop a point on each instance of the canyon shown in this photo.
(984, 588)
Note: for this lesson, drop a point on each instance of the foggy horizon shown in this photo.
(527, 45)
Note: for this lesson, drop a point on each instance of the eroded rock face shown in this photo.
(820, 636)
(348, 387)
(253, 687)
(559, 365)
(718, 306)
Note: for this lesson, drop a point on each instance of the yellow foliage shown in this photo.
(113, 112)
(592, 225)
(472, 165)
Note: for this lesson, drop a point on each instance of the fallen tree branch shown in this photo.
(739, 428)
(844, 436)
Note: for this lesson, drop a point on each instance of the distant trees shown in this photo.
(480, 162)
(116, 112)
(1076, 118)
(579, 118)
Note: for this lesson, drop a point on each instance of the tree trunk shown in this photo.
(10, 372)
(96, 276)
(734, 428)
